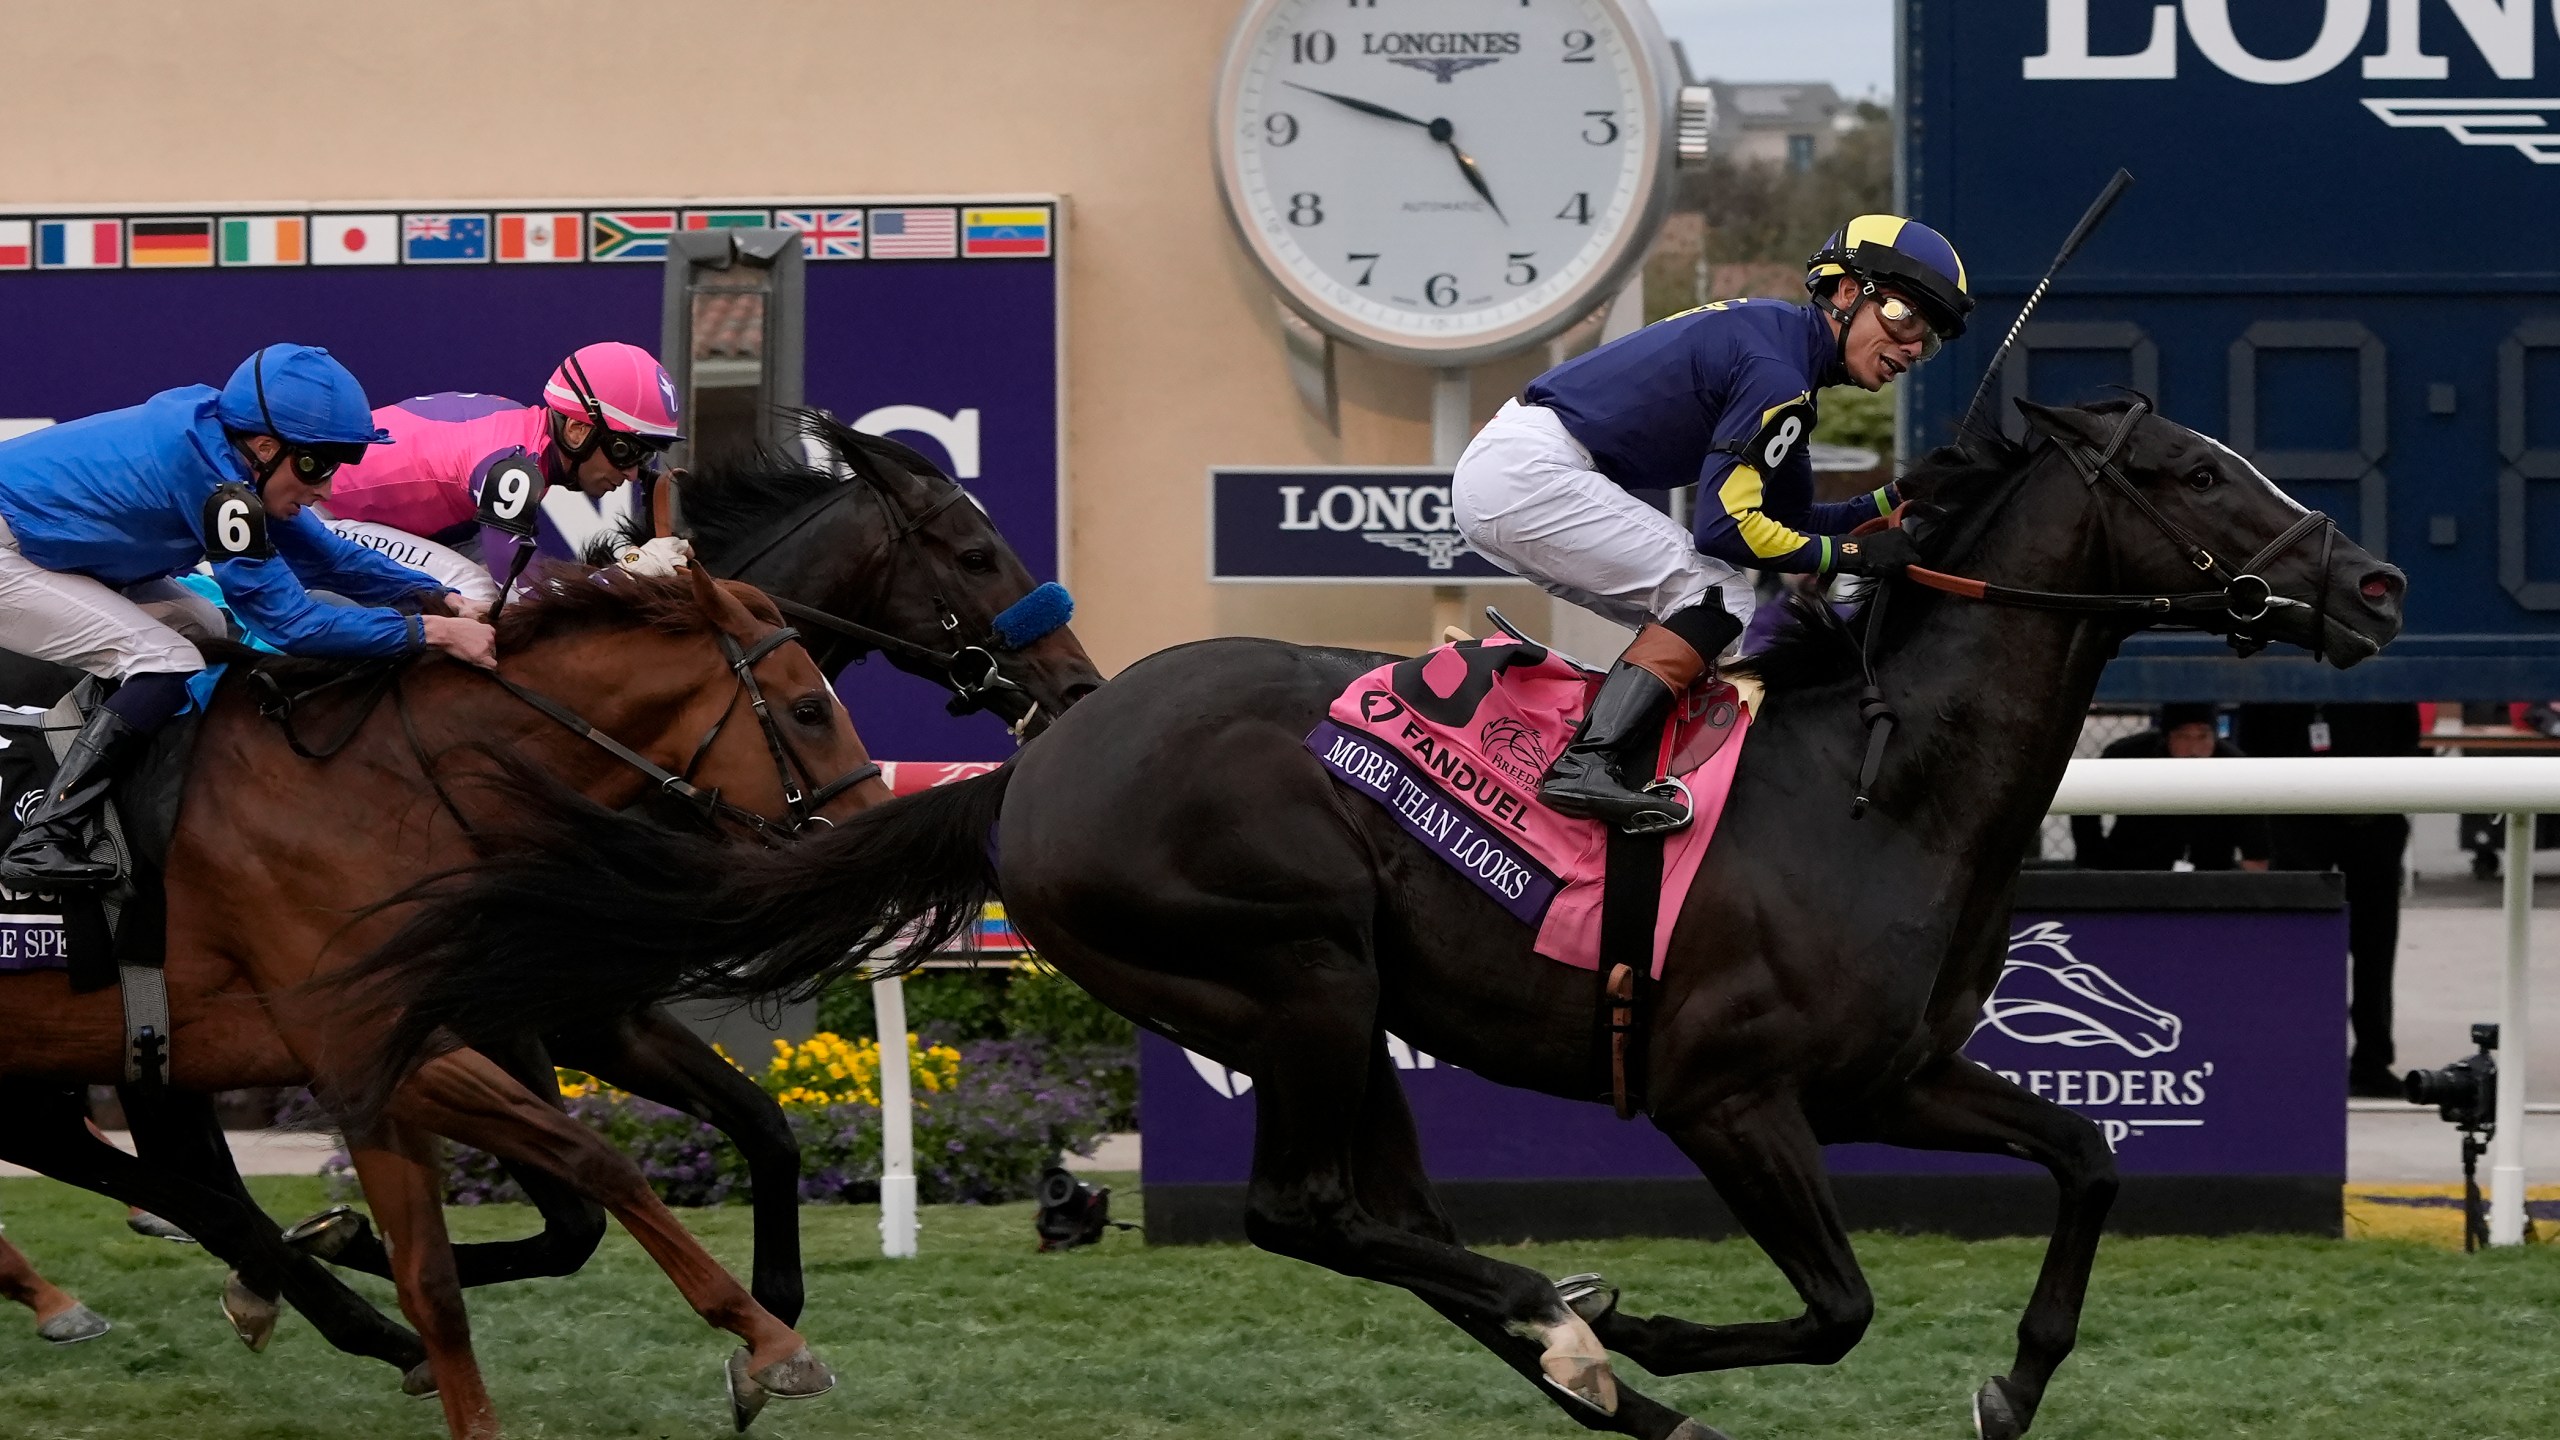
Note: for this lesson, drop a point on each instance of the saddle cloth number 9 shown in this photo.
(510, 497)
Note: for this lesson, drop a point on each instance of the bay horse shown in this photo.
(1173, 847)
(621, 687)
(870, 549)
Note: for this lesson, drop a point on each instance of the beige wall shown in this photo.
(1174, 358)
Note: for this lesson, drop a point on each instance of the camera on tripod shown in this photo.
(2466, 1093)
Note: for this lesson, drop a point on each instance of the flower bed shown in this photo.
(989, 1116)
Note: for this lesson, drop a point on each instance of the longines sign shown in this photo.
(1388, 525)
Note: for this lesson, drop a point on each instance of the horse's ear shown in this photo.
(2060, 424)
(721, 607)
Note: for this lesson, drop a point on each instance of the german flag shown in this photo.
(169, 242)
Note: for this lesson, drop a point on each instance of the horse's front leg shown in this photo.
(1962, 1106)
(651, 1054)
(1764, 1160)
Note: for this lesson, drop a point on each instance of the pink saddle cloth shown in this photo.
(1452, 743)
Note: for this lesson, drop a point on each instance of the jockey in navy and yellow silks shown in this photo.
(1721, 397)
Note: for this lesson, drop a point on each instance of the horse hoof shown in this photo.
(325, 1236)
(797, 1376)
(74, 1325)
(1995, 1415)
(419, 1379)
(252, 1315)
(152, 1227)
(1589, 1296)
(1577, 1366)
(746, 1397)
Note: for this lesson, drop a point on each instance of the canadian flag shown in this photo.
(541, 235)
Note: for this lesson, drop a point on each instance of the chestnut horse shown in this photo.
(693, 679)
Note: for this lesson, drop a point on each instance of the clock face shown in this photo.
(1446, 179)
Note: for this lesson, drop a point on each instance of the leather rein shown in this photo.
(2246, 596)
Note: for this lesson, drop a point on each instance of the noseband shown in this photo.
(802, 801)
(2245, 597)
(972, 671)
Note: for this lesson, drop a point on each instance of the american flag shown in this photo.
(825, 234)
(914, 234)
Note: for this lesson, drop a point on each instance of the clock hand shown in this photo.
(1475, 177)
(1363, 106)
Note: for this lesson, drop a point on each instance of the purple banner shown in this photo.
(32, 942)
(967, 349)
(2200, 1042)
(1499, 868)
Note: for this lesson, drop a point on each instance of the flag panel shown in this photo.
(355, 239)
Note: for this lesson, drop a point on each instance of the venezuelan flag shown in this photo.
(1005, 231)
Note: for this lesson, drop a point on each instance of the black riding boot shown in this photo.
(1620, 736)
(51, 852)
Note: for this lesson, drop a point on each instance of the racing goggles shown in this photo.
(626, 451)
(315, 464)
(1905, 325)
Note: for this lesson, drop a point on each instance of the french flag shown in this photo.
(79, 245)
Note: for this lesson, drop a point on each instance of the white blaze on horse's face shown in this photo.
(2253, 471)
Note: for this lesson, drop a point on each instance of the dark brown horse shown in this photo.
(274, 853)
(1173, 847)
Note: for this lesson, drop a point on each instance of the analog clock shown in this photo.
(1445, 181)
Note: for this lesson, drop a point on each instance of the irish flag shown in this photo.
(265, 240)
(79, 244)
(541, 235)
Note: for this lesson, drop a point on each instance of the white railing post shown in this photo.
(897, 1123)
(2515, 1041)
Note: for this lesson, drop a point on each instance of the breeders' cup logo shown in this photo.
(1416, 519)
(26, 805)
(2048, 996)
(1442, 54)
(1514, 748)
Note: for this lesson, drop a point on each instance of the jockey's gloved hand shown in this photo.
(1880, 552)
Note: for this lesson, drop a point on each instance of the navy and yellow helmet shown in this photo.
(1909, 256)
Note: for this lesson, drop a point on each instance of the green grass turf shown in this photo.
(983, 1338)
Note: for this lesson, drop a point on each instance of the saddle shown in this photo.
(1452, 742)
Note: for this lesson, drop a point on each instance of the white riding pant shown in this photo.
(1526, 496)
(150, 628)
(450, 567)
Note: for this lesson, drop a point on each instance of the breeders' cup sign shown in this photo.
(2198, 1042)
(1380, 525)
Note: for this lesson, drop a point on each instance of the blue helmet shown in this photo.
(302, 396)
(1911, 257)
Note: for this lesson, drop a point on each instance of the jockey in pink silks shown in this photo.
(608, 411)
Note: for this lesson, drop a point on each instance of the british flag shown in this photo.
(825, 234)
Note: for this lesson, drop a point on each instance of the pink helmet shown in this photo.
(622, 387)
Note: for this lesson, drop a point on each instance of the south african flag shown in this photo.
(629, 234)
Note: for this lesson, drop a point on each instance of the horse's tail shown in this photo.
(578, 912)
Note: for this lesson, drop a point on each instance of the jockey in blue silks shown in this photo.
(95, 517)
(1721, 397)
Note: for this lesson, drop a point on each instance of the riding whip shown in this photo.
(2080, 233)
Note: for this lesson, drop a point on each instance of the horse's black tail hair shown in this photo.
(576, 913)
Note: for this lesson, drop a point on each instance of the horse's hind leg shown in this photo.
(1765, 1162)
(1304, 1201)
(1393, 1185)
(650, 1053)
(1962, 1106)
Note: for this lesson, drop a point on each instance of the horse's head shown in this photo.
(925, 564)
(700, 678)
(2180, 513)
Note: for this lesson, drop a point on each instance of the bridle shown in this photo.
(971, 671)
(801, 796)
(2246, 596)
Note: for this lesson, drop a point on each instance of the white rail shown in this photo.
(2518, 787)
(897, 1124)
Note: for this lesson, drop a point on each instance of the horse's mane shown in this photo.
(733, 500)
(562, 599)
(1956, 481)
